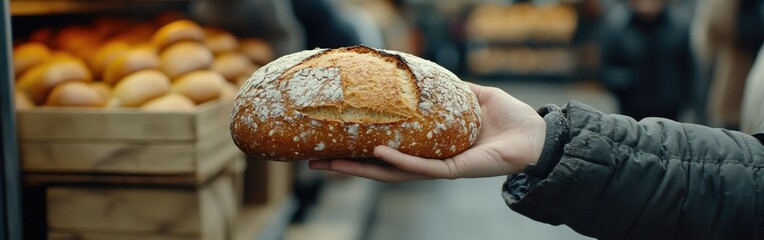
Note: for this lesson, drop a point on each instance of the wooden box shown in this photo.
(125, 141)
(267, 182)
(146, 211)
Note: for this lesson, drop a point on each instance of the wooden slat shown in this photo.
(121, 124)
(267, 181)
(200, 158)
(99, 209)
(205, 212)
(110, 157)
(131, 179)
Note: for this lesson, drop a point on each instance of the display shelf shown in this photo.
(47, 7)
(265, 222)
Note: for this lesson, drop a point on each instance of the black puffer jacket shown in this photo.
(610, 177)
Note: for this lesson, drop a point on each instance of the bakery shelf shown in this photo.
(47, 7)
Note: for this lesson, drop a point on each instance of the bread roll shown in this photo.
(256, 49)
(177, 31)
(102, 88)
(27, 55)
(172, 102)
(228, 91)
(136, 59)
(219, 41)
(232, 65)
(139, 88)
(80, 41)
(106, 54)
(75, 94)
(185, 57)
(22, 101)
(341, 103)
(199, 86)
(38, 81)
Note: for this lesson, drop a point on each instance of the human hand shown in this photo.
(512, 136)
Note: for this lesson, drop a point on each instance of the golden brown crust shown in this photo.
(172, 102)
(27, 55)
(38, 81)
(184, 57)
(199, 86)
(308, 105)
(177, 31)
(139, 87)
(133, 60)
(75, 94)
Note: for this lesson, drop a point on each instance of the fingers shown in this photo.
(433, 168)
(371, 171)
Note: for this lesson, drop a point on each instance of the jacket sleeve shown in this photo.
(610, 177)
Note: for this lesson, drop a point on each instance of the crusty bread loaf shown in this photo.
(341, 103)
(200, 86)
(171, 102)
(184, 57)
(139, 88)
(75, 94)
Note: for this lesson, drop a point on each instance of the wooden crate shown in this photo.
(146, 211)
(125, 141)
(267, 182)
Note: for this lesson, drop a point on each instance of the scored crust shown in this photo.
(341, 103)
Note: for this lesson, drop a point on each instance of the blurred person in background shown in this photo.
(725, 36)
(645, 59)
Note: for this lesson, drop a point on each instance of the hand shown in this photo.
(511, 137)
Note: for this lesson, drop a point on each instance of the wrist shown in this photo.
(554, 140)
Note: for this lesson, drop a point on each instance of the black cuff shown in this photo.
(557, 135)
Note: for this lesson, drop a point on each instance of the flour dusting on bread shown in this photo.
(341, 103)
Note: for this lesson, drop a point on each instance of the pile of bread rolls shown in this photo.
(175, 65)
(522, 22)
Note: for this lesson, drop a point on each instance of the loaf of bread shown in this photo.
(27, 55)
(22, 101)
(199, 86)
(184, 57)
(342, 103)
(232, 65)
(106, 54)
(75, 94)
(171, 102)
(38, 81)
(220, 41)
(256, 49)
(133, 60)
(139, 88)
(177, 31)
